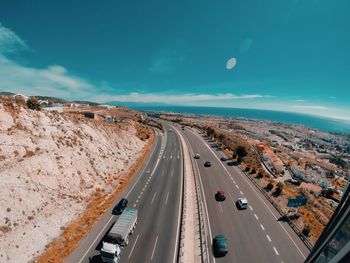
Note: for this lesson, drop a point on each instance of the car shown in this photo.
(119, 208)
(223, 158)
(220, 196)
(220, 247)
(197, 156)
(242, 203)
(207, 164)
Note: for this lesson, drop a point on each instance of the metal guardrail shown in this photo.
(200, 211)
(292, 225)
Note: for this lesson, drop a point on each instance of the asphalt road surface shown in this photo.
(254, 234)
(156, 193)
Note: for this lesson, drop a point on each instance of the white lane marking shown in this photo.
(241, 192)
(251, 208)
(262, 227)
(133, 246)
(139, 196)
(166, 199)
(237, 186)
(249, 183)
(172, 172)
(222, 211)
(171, 157)
(234, 181)
(137, 200)
(276, 251)
(162, 173)
(141, 192)
(268, 238)
(134, 205)
(99, 234)
(154, 195)
(257, 218)
(154, 248)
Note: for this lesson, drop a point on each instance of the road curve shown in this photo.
(156, 192)
(254, 235)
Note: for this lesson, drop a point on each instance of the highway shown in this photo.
(254, 234)
(156, 192)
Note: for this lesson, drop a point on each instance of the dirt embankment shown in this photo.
(58, 173)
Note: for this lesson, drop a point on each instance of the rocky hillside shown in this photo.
(51, 165)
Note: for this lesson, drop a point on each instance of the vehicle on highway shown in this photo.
(197, 156)
(220, 246)
(207, 164)
(119, 235)
(170, 130)
(220, 196)
(119, 208)
(223, 158)
(242, 203)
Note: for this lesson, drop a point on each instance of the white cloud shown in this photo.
(231, 63)
(9, 41)
(300, 100)
(310, 107)
(181, 99)
(54, 80)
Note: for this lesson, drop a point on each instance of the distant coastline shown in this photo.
(323, 124)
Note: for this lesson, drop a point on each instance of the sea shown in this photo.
(320, 123)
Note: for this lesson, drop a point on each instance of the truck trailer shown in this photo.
(118, 236)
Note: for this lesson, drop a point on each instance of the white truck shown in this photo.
(118, 236)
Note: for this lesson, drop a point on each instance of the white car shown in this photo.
(197, 156)
(242, 203)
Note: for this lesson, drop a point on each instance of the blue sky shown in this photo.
(291, 55)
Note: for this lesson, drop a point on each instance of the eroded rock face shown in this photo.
(50, 165)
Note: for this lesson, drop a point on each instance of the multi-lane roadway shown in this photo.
(156, 193)
(253, 235)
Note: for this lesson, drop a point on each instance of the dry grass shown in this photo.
(63, 246)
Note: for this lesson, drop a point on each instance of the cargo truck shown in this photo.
(118, 236)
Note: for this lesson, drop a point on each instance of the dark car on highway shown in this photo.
(119, 208)
(207, 164)
(220, 246)
(223, 159)
(220, 196)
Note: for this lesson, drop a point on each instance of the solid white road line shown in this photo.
(276, 251)
(133, 246)
(262, 227)
(252, 187)
(268, 238)
(257, 218)
(166, 199)
(154, 195)
(154, 248)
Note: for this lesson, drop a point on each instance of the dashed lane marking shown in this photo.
(154, 195)
(154, 248)
(166, 199)
(251, 208)
(276, 251)
(257, 218)
(133, 246)
(262, 227)
(241, 192)
(268, 238)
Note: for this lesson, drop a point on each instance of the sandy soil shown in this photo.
(51, 166)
